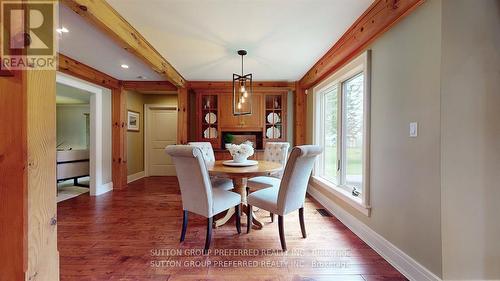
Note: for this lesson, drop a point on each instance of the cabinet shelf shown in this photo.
(263, 104)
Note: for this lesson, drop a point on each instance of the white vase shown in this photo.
(239, 158)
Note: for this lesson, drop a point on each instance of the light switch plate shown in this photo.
(413, 129)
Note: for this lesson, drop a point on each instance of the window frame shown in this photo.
(361, 64)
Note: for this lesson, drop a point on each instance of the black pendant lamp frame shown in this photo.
(242, 105)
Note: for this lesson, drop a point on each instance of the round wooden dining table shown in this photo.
(240, 175)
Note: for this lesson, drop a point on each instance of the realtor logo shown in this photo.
(28, 35)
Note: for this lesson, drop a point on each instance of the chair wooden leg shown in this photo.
(272, 217)
(238, 218)
(302, 225)
(249, 218)
(209, 235)
(184, 225)
(282, 232)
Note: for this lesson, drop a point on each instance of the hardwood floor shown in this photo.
(133, 234)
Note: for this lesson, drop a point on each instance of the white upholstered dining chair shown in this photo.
(289, 194)
(197, 193)
(276, 152)
(209, 156)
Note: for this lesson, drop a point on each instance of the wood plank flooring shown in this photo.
(133, 234)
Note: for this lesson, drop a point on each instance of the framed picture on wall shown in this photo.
(133, 121)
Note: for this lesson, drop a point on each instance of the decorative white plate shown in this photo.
(243, 164)
(210, 133)
(273, 133)
(273, 118)
(210, 118)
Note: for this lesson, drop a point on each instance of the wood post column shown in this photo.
(182, 117)
(119, 135)
(300, 115)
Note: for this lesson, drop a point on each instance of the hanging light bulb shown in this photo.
(242, 90)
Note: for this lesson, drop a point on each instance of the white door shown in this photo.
(161, 130)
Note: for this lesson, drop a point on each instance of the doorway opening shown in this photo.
(83, 138)
(73, 141)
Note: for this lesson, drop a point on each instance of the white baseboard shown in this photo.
(135, 176)
(397, 258)
(103, 188)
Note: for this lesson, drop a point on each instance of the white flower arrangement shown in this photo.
(240, 152)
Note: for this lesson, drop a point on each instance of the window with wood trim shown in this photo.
(341, 127)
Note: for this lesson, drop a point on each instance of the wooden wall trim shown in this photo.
(75, 68)
(103, 16)
(149, 86)
(264, 86)
(377, 19)
(119, 138)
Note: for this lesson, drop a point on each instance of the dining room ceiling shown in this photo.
(284, 38)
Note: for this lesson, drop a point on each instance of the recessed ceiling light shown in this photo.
(124, 66)
(62, 30)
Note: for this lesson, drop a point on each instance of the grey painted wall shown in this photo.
(470, 120)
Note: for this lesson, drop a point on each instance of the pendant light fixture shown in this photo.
(242, 90)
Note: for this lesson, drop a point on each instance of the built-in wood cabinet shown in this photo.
(229, 121)
(214, 115)
(208, 118)
(275, 117)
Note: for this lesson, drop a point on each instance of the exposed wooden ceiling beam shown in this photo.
(102, 15)
(258, 86)
(377, 19)
(75, 68)
(149, 86)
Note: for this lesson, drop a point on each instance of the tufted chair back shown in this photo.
(277, 152)
(206, 149)
(192, 173)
